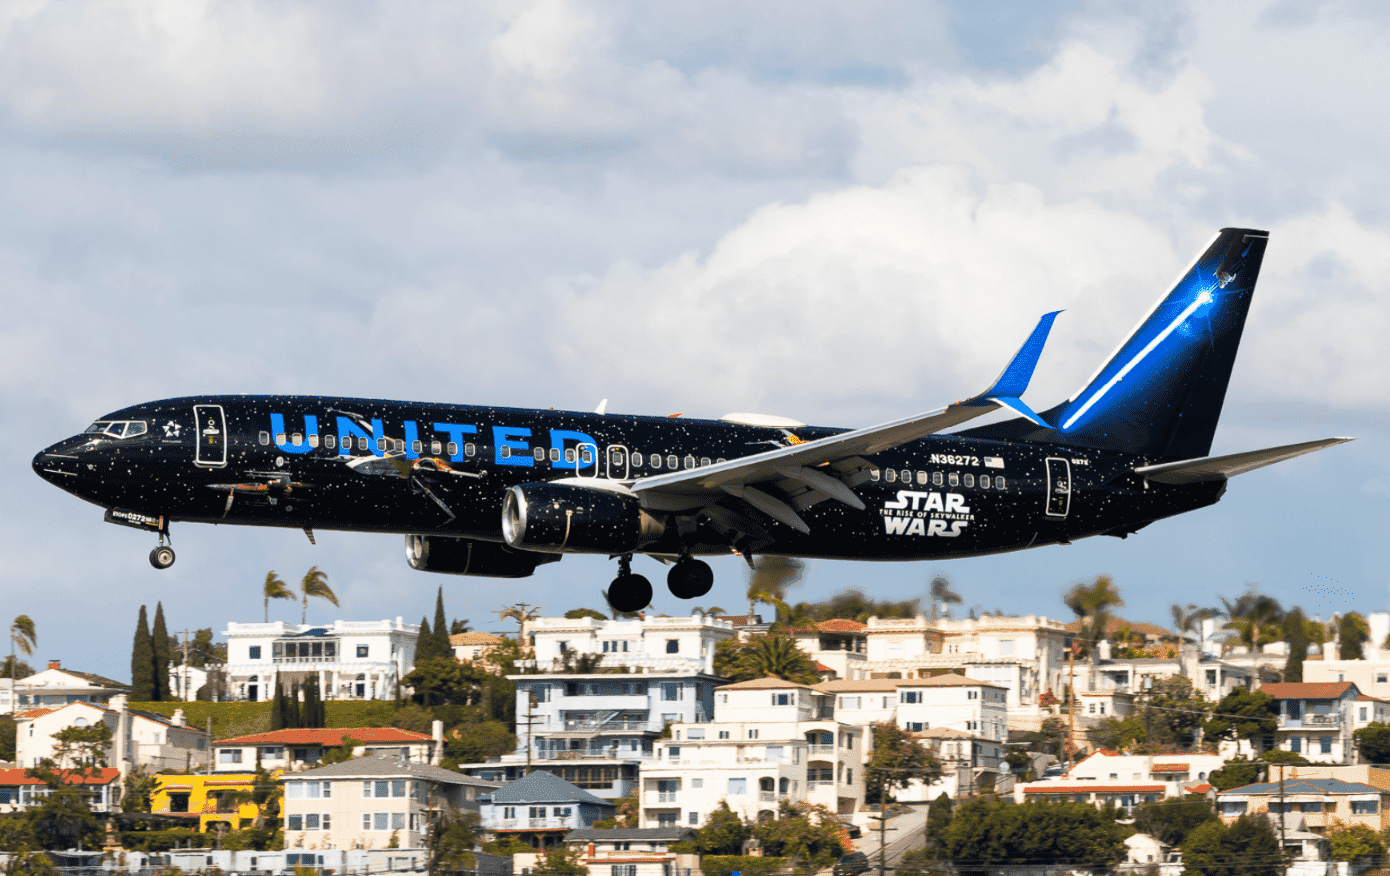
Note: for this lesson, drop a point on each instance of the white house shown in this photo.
(1169, 773)
(138, 738)
(56, 686)
(19, 791)
(351, 660)
(473, 645)
(648, 644)
(301, 747)
(1316, 719)
(371, 803)
(633, 851)
(837, 644)
(770, 740)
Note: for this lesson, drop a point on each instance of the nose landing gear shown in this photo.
(628, 592)
(162, 557)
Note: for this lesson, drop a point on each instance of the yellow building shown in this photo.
(223, 798)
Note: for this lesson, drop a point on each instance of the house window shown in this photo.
(1295, 744)
(1365, 807)
(666, 790)
(695, 733)
(913, 726)
(229, 755)
(673, 752)
(1362, 713)
(738, 787)
(697, 783)
(694, 820)
(1325, 744)
(294, 822)
(782, 699)
(723, 734)
(538, 812)
(670, 691)
(666, 819)
(910, 696)
(673, 646)
(623, 870)
(1382, 677)
(255, 652)
(849, 702)
(562, 811)
(362, 651)
(1006, 647)
(752, 734)
(509, 813)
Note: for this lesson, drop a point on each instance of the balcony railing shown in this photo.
(665, 796)
(818, 783)
(611, 725)
(538, 822)
(822, 749)
(767, 796)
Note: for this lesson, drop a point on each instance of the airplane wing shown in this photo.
(813, 471)
(1214, 468)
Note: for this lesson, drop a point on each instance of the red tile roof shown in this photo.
(1115, 624)
(841, 625)
(1091, 788)
(1198, 789)
(1306, 690)
(329, 736)
(12, 777)
(1171, 768)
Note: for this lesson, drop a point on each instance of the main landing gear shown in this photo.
(687, 579)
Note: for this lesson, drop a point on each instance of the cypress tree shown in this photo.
(424, 642)
(159, 643)
(277, 707)
(141, 662)
(293, 714)
(440, 632)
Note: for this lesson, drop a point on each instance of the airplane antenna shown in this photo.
(602, 408)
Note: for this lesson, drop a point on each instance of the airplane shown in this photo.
(490, 491)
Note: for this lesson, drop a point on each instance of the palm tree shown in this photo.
(522, 614)
(712, 611)
(1189, 619)
(779, 656)
(942, 595)
(314, 583)
(1091, 603)
(275, 589)
(1255, 618)
(23, 637)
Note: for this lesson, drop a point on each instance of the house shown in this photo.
(138, 738)
(673, 645)
(1024, 655)
(1371, 676)
(350, 660)
(371, 803)
(539, 809)
(596, 729)
(1213, 678)
(473, 645)
(209, 800)
(1140, 633)
(18, 791)
(770, 740)
(56, 686)
(1316, 719)
(1322, 802)
(300, 748)
(838, 646)
(1122, 795)
(633, 851)
(1165, 775)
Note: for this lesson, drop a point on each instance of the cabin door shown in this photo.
(1058, 487)
(210, 426)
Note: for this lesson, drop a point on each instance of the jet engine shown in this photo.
(461, 556)
(564, 517)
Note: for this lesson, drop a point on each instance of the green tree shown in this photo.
(474, 743)
(1093, 604)
(159, 645)
(560, 861)
(7, 739)
(1355, 842)
(1242, 714)
(1170, 821)
(1237, 773)
(342, 753)
(139, 791)
(581, 613)
(1296, 636)
(1120, 734)
(315, 584)
(723, 832)
(1249, 847)
(12, 667)
(63, 819)
(441, 628)
(142, 689)
(449, 843)
(804, 832)
(763, 656)
(988, 833)
(897, 759)
(277, 706)
(440, 681)
(1372, 743)
(80, 751)
(1188, 619)
(1255, 617)
(1172, 712)
(940, 812)
(1352, 636)
(275, 588)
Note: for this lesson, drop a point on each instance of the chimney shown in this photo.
(118, 703)
(55, 664)
(178, 720)
(437, 731)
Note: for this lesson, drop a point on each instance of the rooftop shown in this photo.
(1320, 787)
(329, 736)
(16, 776)
(544, 787)
(1308, 690)
(475, 638)
(382, 767)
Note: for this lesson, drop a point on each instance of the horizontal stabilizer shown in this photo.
(1215, 468)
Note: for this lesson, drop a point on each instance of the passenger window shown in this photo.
(279, 439)
(656, 460)
(505, 452)
(400, 445)
(672, 461)
(361, 443)
(539, 454)
(296, 439)
(689, 461)
(720, 461)
(435, 449)
(416, 446)
(569, 454)
(453, 449)
(468, 449)
(636, 460)
(953, 479)
(554, 454)
(704, 460)
(381, 444)
(891, 475)
(921, 477)
(984, 482)
(907, 476)
(874, 474)
(313, 441)
(999, 482)
(970, 480)
(586, 456)
(264, 438)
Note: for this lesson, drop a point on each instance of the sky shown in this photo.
(839, 213)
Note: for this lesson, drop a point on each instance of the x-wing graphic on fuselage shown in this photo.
(498, 491)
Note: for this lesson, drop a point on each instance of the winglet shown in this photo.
(1014, 379)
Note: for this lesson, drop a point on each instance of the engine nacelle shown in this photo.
(565, 517)
(461, 556)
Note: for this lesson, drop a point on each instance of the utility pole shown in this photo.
(1283, 817)
(530, 711)
(1071, 705)
(882, 834)
(186, 681)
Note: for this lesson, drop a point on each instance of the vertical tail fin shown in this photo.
(1161, 392)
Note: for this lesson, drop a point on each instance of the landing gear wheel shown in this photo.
(629, 593)
(689, 578)
(162, 557)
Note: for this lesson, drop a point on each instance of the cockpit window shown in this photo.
(118, 428)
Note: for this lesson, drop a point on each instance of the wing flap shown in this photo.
(1213, 468)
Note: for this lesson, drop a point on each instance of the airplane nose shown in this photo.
(55, 466)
